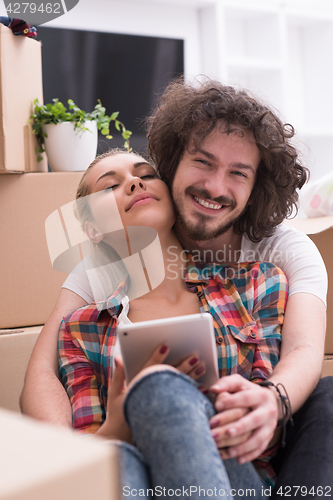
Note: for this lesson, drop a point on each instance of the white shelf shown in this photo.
(282, 52)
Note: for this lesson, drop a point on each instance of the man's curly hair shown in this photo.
(188, 113)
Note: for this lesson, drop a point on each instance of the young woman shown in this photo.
(167, 422)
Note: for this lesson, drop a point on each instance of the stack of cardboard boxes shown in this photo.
(320, 230)
(38, 461)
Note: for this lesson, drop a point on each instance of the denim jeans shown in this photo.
(305, 466)
(174, 454)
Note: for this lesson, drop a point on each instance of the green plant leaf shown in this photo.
(56, 112)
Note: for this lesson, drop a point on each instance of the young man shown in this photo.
(230, 209)
(233, 174)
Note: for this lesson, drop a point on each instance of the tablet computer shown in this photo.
(184, 335)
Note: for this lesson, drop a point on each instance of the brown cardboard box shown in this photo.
(327, 366)
(43, 462)
(20, 85)
(320, 230)
(15, 350)
(29, 285)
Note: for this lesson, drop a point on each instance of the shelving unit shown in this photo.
(280, 51)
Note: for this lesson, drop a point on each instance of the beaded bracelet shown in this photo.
(286, 408)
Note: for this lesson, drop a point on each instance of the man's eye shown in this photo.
(240, 174)
(204, 162)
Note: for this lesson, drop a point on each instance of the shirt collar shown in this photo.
(114, 303)
(202, 272)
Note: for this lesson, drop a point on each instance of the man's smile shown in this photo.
(208, 204)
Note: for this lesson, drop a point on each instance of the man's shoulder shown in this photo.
(277, 247)
(282, 233)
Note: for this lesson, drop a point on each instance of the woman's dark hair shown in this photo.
(188, 113)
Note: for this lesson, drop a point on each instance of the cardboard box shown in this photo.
(29, 284)
(320, 230)
(43, 462)
(327, 366)
(15, 350)
(20, 85)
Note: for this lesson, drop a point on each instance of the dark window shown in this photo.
(127, 73)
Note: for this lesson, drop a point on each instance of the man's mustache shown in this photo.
(203, 193)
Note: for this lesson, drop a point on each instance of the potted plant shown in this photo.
(69, 137)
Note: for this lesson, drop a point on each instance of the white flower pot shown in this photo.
(68, 149)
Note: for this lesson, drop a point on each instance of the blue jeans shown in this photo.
(174, 454)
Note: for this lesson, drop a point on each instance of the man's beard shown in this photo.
(199, 231)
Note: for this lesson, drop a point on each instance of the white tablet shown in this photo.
(184, 335)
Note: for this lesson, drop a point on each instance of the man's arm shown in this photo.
(299, 370)
(302, 349)
(43, 396)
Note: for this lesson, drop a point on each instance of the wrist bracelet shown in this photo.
(286, 408)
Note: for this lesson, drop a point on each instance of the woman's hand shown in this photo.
(220, 426)
(248, 436)
(114, 426)
(190, 366)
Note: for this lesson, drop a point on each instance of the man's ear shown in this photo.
(92, 232)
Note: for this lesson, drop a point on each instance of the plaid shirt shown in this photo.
(247, 302)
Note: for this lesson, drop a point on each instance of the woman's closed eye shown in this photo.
(148, 176)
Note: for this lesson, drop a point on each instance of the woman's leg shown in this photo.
(169, 419)
(133, 470)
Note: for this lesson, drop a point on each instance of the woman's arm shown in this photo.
(43, 396)
(79, 345)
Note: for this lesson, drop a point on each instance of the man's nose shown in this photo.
(216, 183)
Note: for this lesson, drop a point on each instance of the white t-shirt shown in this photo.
(288, 248)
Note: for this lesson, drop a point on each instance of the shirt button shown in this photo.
(219, 340)
(253, 335)
(191, 287)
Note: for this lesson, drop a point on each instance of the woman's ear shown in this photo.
(92, 232)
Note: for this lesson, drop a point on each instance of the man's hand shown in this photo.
(245, 435)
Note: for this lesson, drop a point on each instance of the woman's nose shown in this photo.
(135, 183)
